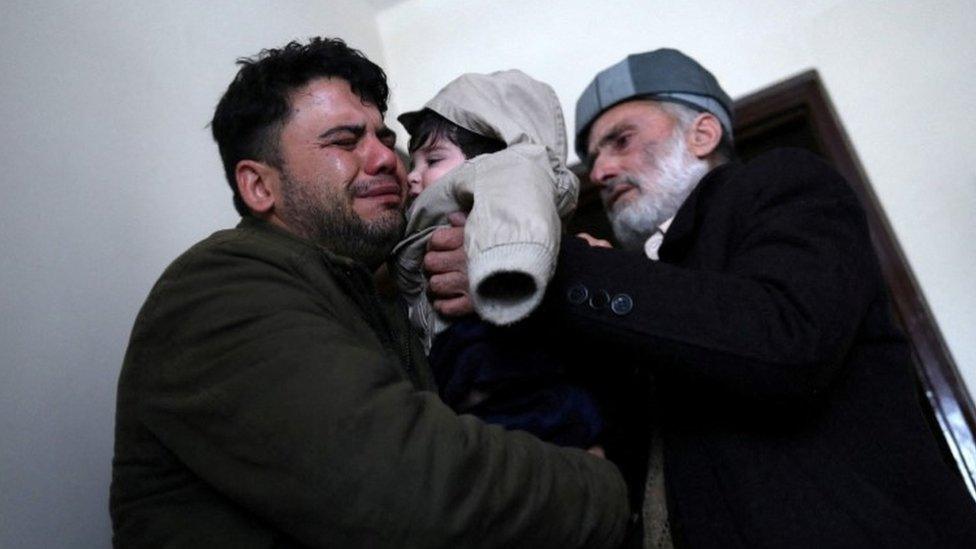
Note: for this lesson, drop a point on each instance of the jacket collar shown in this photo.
(679, 235)
(298, 243)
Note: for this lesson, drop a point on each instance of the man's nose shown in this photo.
(603, 170)
(379, 158)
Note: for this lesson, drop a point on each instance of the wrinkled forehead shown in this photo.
(637, 114)
(333, 99)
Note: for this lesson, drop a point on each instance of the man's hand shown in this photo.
(594, 241)
(446, 266)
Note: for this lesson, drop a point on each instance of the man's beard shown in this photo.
(660, 192)
(326, 217)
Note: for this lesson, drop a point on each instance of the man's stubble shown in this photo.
(326, 217)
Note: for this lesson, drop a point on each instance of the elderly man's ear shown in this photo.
(704, 135)
(258, 184)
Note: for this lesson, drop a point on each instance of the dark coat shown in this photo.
(503, 375)
(787, 396)
(269, 399)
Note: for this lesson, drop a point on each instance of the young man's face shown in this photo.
(341, 184)
(430, 162)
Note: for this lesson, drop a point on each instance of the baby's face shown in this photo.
(430, 162)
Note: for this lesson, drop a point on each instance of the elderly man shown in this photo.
(750, 299)
(271, 398)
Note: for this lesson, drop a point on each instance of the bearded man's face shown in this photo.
(340, 183)
(643, 166)
(325, 215)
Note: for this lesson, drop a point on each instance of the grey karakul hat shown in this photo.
(664, 75)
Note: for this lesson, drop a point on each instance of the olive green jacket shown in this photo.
(269, 399)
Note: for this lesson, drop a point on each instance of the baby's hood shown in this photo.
(508, 105)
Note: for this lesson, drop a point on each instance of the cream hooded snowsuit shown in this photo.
(515, 199)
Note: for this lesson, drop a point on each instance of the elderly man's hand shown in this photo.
(446, 265)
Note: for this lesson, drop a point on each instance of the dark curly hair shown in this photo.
(248, 120)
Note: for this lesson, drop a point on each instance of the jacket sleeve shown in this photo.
(514, 199)
(297, 414)
(796, 274)
(513, 230)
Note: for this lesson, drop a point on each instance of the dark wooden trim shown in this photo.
(804, 96)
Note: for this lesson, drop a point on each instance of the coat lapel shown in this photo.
(680, 235)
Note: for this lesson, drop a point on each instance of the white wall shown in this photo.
(901, 75)
(109, 173)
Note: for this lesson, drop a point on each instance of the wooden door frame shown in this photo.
(805, 95)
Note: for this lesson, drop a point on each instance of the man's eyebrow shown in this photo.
(355, 129)
(614, 133)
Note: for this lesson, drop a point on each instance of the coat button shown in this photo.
(577, 294)
(621, 304)
(599, 299)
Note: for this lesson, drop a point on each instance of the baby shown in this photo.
(494, 146)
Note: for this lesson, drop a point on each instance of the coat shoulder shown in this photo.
(784, 175)
(789, 165)
(233, 269)
(242, 243)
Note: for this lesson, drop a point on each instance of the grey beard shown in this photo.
(328, 220)
(678, 173)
